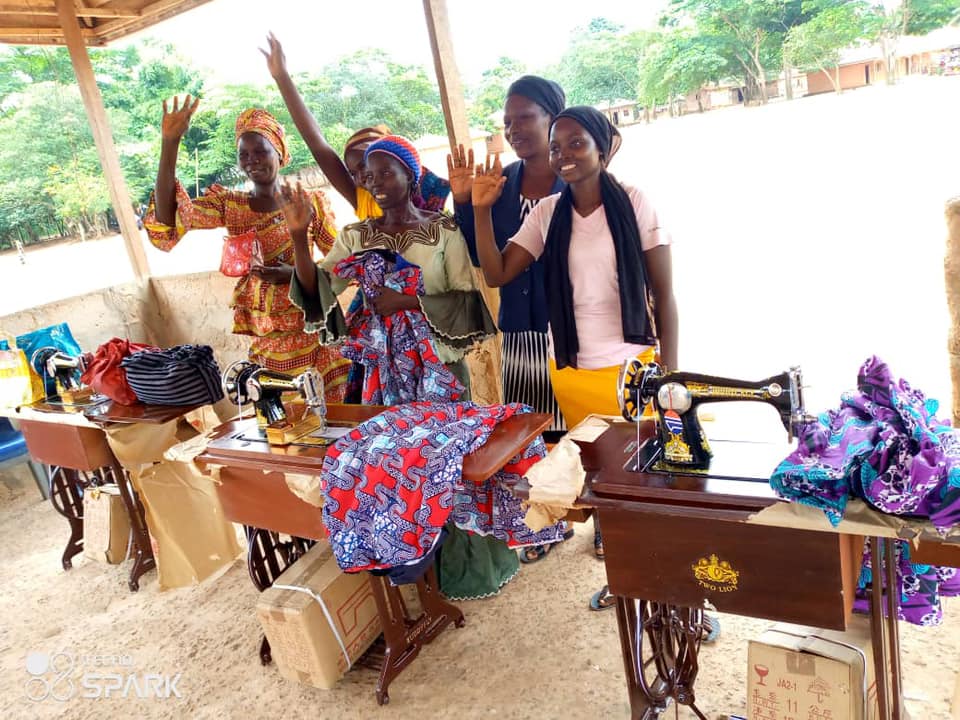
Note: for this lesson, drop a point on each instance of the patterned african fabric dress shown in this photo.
(395, 352)
(885, 445)
(392, 483)
(260, 309)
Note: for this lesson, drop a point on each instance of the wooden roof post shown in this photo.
(485, 371)
(448, 78)
(103, 138)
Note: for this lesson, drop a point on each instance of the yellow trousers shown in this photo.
(584, 392)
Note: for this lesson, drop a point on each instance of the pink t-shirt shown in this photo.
(593, 274)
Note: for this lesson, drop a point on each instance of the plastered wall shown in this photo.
(180, 309)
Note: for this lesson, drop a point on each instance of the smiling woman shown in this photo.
(469, 566)
(261, 306)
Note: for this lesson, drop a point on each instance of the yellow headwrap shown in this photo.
(257, 120)
(365, 136)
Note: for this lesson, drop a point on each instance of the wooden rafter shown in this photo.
(82, 11)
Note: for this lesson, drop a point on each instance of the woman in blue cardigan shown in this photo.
(531, 104)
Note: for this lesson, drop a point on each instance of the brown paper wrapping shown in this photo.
(858, 519)
(106, 527)
(193, 538)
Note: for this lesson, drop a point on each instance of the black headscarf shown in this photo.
(545, 93)
(635, 302)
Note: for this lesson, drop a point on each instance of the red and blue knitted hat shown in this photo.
(400, 148)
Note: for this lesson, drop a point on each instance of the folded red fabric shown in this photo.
(104, 373)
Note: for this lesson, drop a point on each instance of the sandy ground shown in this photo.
(806, 233)
(534, 651)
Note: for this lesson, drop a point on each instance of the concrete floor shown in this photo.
(534, 651)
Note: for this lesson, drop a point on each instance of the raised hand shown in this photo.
(488, 183)
(276, 61)
(460, 173)
(176, 121)
(297, 209)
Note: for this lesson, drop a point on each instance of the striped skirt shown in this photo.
(526, 374)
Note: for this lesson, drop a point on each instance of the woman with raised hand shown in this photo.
(261, 305)
(470, 566)
(530, 106)
(607, 267)
(347, 174)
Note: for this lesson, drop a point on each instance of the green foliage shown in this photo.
(923, 16)
(62, 185)
(488, 98)
(602, 63)
(817, 43)
(680, 62)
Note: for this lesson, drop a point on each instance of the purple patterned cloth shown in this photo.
(920, 587)
(884, 445)
(396, 351)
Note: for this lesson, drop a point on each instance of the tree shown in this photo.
(488, 96)
(602, 63)
(749, 33)
(816, 44)
(910, 17)
(678, 63)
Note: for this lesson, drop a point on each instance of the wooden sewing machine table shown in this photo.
(674, 541)
(253, 491)
(78, 455)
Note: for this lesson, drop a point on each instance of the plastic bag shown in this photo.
(104, 373)
(57, 336)
(237, 252)
(15, 387)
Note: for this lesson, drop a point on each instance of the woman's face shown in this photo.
(526, 126)
(353, 159)
(574, 154)
(388, 180)
(258, 159)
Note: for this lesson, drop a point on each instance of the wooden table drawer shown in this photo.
(796, 576)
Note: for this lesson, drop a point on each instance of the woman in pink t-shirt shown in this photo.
(608, 268)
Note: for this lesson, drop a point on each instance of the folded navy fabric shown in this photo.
(180, 375)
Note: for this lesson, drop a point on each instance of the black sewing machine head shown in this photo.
(61, 375)
(680, 444)
(245, 382)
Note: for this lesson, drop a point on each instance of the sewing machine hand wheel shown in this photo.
(633, 387)
(38, 361)
(234, 381)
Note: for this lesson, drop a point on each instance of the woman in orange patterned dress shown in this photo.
(261, 304)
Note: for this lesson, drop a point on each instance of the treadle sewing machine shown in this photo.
(680, 444)
(254, 492)
(61, 378)
(674, 506)
(303, 421)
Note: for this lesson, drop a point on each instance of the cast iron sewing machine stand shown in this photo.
(679, 540)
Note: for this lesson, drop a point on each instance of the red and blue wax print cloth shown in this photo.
(396, 351)
(391, 484)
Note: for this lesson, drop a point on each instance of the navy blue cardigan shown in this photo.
(523, 301)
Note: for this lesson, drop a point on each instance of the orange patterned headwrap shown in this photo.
(257, 120)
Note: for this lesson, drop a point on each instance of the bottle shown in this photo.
(14, 376)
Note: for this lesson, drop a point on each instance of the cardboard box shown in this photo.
(106, 527)
(318, 619)
(797, 672)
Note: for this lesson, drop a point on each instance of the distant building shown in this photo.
(621, 112)
(915, 55)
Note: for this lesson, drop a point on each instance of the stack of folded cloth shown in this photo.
(180, 375)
